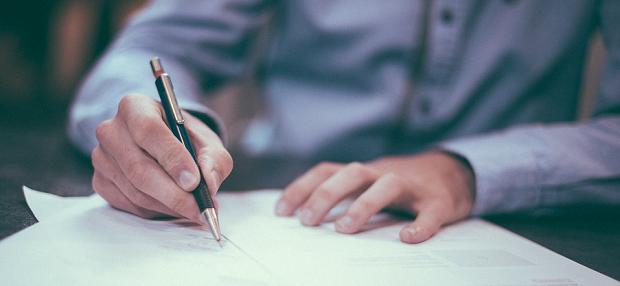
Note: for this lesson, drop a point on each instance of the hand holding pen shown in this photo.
(142, 168)
(177, 126)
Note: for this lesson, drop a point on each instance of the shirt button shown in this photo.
(446, 16)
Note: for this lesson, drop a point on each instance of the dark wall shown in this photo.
(45, 48)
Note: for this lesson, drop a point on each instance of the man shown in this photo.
(445, 108)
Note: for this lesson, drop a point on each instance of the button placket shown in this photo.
(446, 27)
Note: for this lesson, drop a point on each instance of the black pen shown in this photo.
(177, 125)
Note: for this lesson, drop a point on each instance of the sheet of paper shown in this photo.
(472, 252)
(95, 243)
(92, 243)
(44, 205)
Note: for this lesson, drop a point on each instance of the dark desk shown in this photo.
(41, 158)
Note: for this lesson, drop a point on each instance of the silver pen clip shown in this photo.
(158, 71)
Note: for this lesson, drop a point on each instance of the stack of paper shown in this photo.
(91, 243)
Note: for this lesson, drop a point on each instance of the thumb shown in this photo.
(426, 224)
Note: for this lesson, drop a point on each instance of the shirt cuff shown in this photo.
(505, 172)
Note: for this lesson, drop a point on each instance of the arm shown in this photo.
(554, 167)
(202, 44)
(139, 166)
(541, 167)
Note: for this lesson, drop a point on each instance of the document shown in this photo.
(91, 243)
(45, 205)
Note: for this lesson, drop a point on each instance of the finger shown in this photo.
(350, 179)
(112, 194)
(214, 160)
(296, 193)
(145, 174)
(143, 118)
(120, 192)
(428, 221)
(385, 190)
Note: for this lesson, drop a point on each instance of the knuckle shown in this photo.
(219, 160)
(225, 161)
(391, 184)
(294, 189)
(138, 174)
(143, 136)
(171, 156)
(391, 180)
(97, 157)
(176, 204)
(325, 168)
(325, 194)
(103, 130)
(355, 169)
(97, 183)
(141, 200)
(206, 162)
(324, 165)
(127, 102)
(134, 106)
(119, 179)
(361, 205)
(125, 105)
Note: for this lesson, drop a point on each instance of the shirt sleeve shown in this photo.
(542, 169)
(202, 44)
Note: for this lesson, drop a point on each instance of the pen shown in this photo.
(177, 125)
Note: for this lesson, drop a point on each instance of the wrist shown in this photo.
(465, 171)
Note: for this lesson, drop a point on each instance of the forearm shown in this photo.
(544, 168)
(117, 75)
(201, 43)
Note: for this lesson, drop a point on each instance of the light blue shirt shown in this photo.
(350, 80)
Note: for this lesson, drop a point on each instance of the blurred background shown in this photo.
(45, 49)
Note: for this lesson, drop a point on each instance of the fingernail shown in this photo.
(282, 208)
(216, 178)
(187, 180)
(344, 223)
(410, 234)
(306, 216)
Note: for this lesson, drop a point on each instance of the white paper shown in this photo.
(44, 205)
(472, 252)
(94, 244)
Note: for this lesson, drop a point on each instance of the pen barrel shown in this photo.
(161, 90)
(202, 197)
(200, 193)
